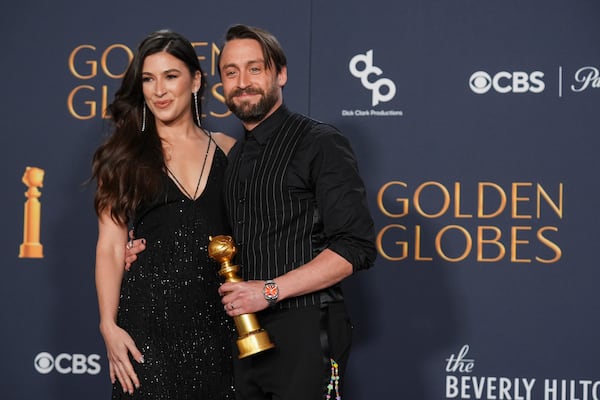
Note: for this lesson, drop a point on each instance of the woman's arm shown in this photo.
(110, 252)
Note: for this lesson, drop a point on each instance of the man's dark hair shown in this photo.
(272, 50)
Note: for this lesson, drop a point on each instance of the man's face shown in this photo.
(252, 92)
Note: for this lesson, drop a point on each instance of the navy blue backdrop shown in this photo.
(475, 125)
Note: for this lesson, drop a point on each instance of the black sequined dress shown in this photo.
(169, 301)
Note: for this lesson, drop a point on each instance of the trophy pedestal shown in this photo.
(254, 343)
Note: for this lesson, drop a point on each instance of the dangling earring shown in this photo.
(144, 117)
(196, 106)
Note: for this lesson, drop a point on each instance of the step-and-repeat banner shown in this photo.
(476, 128)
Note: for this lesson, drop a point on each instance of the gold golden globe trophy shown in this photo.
(252, 338)
(31, 246)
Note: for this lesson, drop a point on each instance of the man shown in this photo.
(300, 222)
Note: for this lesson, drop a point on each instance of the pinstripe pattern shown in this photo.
(273, 229)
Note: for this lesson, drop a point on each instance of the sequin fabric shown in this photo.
(169, 302)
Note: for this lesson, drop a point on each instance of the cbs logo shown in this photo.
(67, 363)
(507, 82)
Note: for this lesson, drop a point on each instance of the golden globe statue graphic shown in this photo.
(31, 246)
(252, 338)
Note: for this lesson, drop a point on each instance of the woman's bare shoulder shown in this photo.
(225, 142)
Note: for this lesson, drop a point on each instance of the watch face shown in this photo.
(271, 291)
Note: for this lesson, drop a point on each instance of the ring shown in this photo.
(130, 244)
(232, 306)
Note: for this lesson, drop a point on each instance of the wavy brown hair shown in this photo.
(129, 166)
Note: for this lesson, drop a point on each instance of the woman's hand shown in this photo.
(118, 347)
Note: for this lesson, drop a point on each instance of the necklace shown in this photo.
(201, 172)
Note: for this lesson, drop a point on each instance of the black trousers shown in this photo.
(298, 368)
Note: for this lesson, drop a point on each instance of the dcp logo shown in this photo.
(67, 363)
(507, 82)
(376, 86)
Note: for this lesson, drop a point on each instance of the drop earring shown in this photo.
(144, 117)
(196, 106)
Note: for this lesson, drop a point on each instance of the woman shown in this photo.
(165, 331)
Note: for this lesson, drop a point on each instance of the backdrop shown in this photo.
(476, 128)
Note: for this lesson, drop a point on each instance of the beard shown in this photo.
(248, 112)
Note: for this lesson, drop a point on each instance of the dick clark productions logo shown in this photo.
(378, 95)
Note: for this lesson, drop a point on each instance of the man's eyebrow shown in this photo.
(251, 62)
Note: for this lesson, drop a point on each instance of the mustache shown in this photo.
(239, 92)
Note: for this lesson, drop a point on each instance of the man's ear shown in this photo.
(282, 76)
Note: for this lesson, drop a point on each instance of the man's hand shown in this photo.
(243, 297)
(132, 249)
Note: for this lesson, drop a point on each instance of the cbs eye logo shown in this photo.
(65, 363)
(507, 82)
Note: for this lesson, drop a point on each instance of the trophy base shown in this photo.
(253, 343)
(31, 250)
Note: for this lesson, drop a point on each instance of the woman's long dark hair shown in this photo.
(129, 166)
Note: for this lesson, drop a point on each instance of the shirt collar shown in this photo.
(267, 128)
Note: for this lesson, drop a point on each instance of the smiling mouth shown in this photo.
(162, 104)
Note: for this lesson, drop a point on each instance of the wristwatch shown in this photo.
(271, 292)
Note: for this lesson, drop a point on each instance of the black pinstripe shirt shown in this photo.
(292, 189)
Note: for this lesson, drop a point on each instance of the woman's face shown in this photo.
(168, 87)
